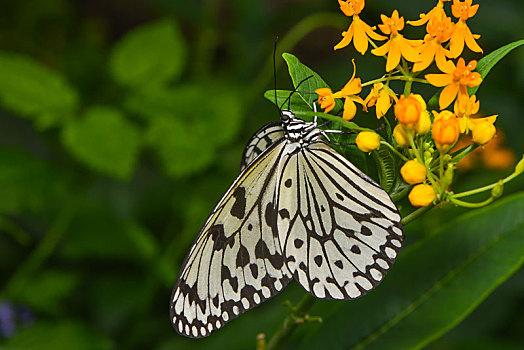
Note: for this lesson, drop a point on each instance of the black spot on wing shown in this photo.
(284, 213)
(288, 183)
(254, 270)
(218, 236)
(298, 243)
(242, 256)
(366, 231)
(355, 249)
(238, 209)
(318, 260)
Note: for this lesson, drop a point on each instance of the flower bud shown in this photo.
(519, 168)
(400, 136)
(446, 129)
(408, 109)
(413, 172)
(483, 132)
(421, 195)
(424, 124)
(496, 192)
(368, 141)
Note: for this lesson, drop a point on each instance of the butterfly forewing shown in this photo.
(260, 141)
(339, 231)
(236, 261)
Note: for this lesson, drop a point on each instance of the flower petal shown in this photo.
(393, 56)
(439, 80)
(447, 95)
(350, 109)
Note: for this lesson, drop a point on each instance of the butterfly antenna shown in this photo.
(288, 99)
(275, 73)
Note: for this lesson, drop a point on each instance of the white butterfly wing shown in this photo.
(235, 262)
(260, 141)
(339, 230)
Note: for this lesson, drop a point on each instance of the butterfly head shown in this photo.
(286, 116)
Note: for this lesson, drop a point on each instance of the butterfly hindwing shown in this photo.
(260, 141)
(339, 230)
(235, 262)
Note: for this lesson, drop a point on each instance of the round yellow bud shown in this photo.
(421, 195)
(413, 172)
(483, 132)
(368, 141)
(408, 109)
(424, 124)
(446, 129)
(400, 136)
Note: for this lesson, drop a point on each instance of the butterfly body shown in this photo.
(298, 210)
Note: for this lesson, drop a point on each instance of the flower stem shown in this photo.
(484, 188)
(396, 77)
(468, 204)
(403, 157)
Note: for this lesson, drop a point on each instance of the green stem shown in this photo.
(396, 77)
(468, 204)
(19, 234)
(408, 218)
(289, 325)
(403, 157)
(484, 188)
(45, 248)
(347, 124)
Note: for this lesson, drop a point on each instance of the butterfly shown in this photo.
(298, 210)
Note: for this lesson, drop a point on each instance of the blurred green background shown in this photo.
(123, 122)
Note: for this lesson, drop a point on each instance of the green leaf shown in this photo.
(182, 149)
(48, 289)
(28, 183)
(188, 123)
(104, 141)
(434, 284)
(58, 335)
(32, 90)
(152, 54)
(299, 73)
(296, 102)
(489, 61)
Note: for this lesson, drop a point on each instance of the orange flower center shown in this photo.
(441, 29)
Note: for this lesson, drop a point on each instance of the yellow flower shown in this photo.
(413, 172)
(439, 31)
(462, 33)
(421, 195)
(437, 10)
(400, 135)
(446, 129)
(456, 81)
(409, 109)
(358, 31)
(483, 132)
(379, 97)
(465, 108)
(368, 141)
(397, 45)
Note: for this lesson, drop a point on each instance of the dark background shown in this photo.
(103, 187)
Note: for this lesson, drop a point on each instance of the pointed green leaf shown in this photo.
(296, 103)
(149, 55)
(433, 285)
(32, 90)
(489, 61)
(299, 74)
(104, 141)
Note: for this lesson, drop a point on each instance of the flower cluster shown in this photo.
(425, 135)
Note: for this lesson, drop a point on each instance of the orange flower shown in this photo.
(326, 99)
(379, 97)
(445, 130)
(358, 31)
(462, 33)
(437, 10)
(483, 132)
(408, 109)
(349, 93)
(397, 45)
(439, 30)
(465, 108)
(456, 81)
(367, 141)
(413, 172)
